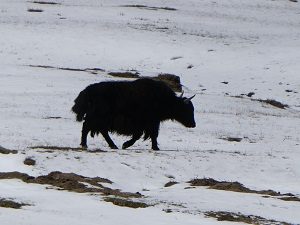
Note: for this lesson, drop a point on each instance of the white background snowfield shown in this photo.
(222, 51)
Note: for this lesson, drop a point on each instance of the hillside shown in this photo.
(239, 165)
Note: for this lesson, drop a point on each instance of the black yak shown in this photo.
(132, 108)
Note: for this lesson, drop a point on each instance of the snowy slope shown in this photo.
(220, 50)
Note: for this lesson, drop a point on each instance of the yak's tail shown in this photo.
(81, 105)
(146, 135)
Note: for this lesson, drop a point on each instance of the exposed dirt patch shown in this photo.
(232, 139)
(16, 175)
(168, 210)
(290, 198)
(149, 7)
(150, 27)
(35, 10)
(52, 117)
(203, 182)
(125, 74)
(71, 182)
(272, 102)
(29, 161)
(171, 183)
(250, 94)
(173, 81)
(176, 57)
(90, 70)
(7, 151)
(238, 217)
(57, 148)
(5, 203)
(45, 3)
(126, 203)
(238, 187)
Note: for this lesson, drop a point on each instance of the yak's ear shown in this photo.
(189, 99)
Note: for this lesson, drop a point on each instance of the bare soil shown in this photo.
(71, 182)
(232, 139)
(35, 10)
(238, 217)
(59, 148)
(124, 74)
(272, 102)
(29, 161)
(7, 151)
(173, 81)
(46, 3)
(149, 7)
(238, 187)
(171, 183)
(90, 70)
(126, 203)
(5, 203)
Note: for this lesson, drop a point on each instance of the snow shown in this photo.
(252, 45)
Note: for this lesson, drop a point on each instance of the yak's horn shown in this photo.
(189, 99)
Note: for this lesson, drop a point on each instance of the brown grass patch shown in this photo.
(29, 161)
(90, 70)
(238, 187)
(16, 175)
(60, 148)
(126, 203)
(35, 10)
(124, 74)
(149, 7)
(71, 182)
(46, 3)
(272, 102)
(232, 139)
(11, 204)
(7, 151)
(171, 183)
(238, 217)
(173, 81)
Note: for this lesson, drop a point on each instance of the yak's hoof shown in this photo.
(125, 145)
(84, 146)
(155, 148)
(113, 147)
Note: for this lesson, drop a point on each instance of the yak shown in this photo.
(130, 108)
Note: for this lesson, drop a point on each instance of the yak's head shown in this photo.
(185, 111)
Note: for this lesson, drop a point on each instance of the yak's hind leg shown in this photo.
(154, 134)
(134, 138)
(108, 140)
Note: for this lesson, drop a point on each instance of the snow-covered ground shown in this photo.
(220, 50)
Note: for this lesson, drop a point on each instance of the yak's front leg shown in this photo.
(108, 140)
(153, 135)
(84, 133)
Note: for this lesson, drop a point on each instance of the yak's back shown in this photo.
(143, 89)
(133, 98)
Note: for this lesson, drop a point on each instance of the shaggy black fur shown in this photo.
(130, 108)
